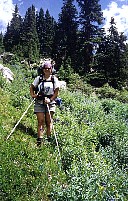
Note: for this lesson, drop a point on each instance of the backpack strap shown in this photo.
(42, 80)
(53, 82)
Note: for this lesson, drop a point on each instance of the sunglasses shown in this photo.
(47, 68)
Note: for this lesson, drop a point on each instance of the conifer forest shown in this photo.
(76, 38)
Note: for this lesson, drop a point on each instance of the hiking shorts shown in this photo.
(43, 108)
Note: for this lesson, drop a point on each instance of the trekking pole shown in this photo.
(20, 119)
(54, 133)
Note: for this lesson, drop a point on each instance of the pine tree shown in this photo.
(66, 33)
(1, 43)
(49, 33)
(12, 36)
(111, 56)
(40, 26)
(29, 36)
(90, 19)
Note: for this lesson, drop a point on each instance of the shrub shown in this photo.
(107, 92)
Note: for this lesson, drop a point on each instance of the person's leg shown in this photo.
(49, 123)
(41, 121)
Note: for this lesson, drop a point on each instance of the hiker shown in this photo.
(45, 105)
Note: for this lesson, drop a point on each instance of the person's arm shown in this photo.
(32, 91)
(33, 86)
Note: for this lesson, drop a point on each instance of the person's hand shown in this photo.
(34, 96)
(47, 100)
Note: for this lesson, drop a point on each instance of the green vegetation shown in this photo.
(78, 36)
(91, 125)
(92, 132)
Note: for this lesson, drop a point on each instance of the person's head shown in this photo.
(47, 67)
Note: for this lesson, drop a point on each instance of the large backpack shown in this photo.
(39, 72)
(42, 96)
(40, 90)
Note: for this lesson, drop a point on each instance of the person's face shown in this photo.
(47, 70)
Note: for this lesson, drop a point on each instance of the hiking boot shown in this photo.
(49, 138)
(39, 141)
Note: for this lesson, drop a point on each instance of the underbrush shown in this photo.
(108, 92)
(92, 134)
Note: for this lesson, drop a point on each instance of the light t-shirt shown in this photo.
(48, 86)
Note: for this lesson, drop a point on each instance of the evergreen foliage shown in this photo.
(65, 72)
(29, 36)
(40, 26)
(12, 36)
(49, 34)
(1, 43)
(111, 57)
(99, 57)
(66, 34)
(90, 19)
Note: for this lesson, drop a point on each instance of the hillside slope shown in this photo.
(92, 134)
